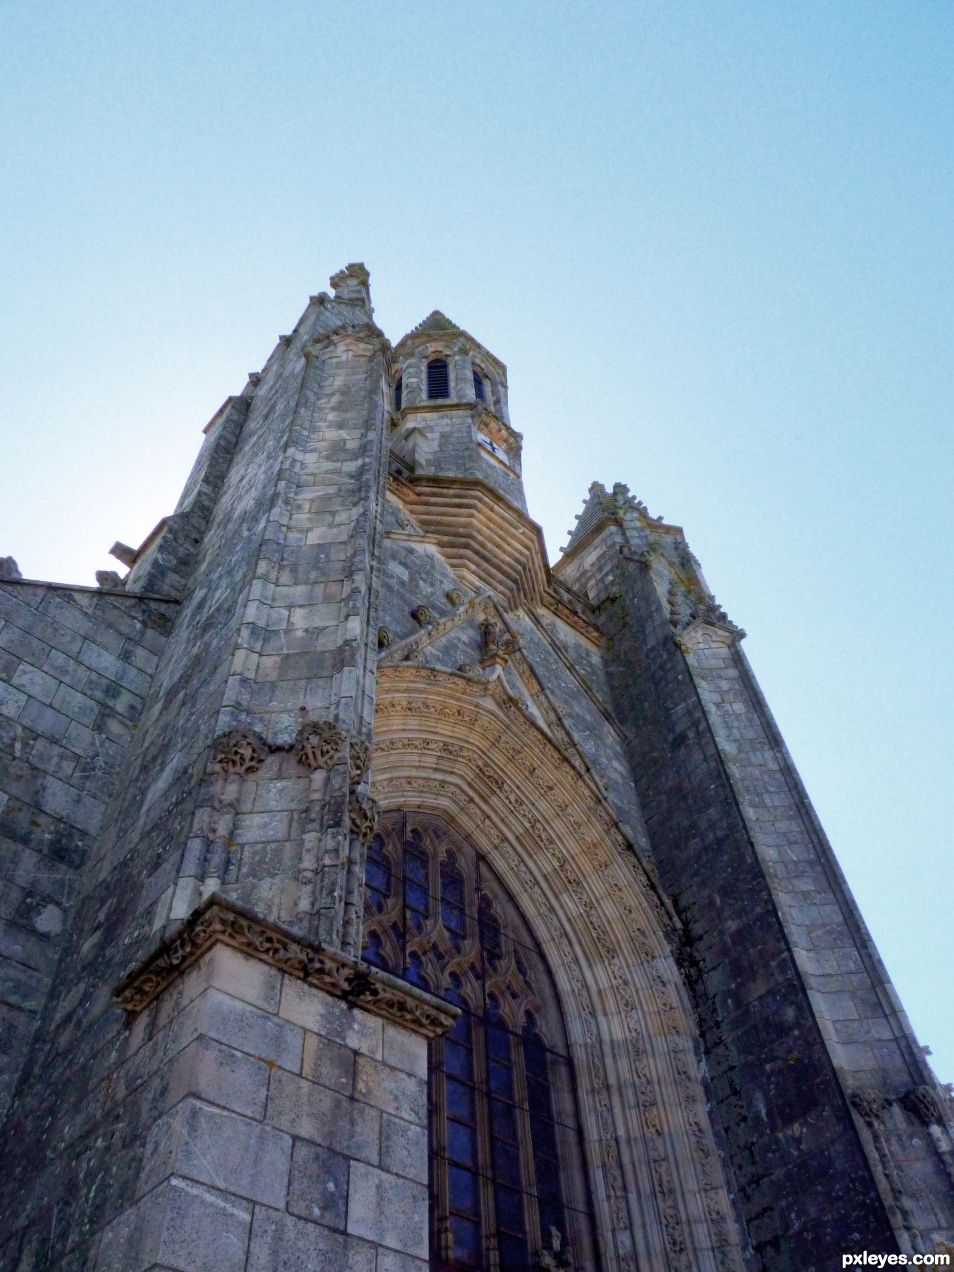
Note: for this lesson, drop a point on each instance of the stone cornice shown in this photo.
(219, 920)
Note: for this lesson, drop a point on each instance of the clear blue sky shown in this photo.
(711, 241)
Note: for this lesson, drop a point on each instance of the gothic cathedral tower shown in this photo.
(379, 898)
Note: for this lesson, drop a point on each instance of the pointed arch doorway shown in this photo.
(507, 1177)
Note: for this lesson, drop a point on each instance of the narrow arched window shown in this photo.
(480, 391)
(507, 1174)
(438, 378)
(398, 392)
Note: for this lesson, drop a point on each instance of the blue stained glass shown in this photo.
(415, 898)
(465, 1234)
(498, 1043)
(503, 1120)
(457, 1060)
(548, 1178)
(461, 1030)
(509, 1208)
(378, 876)
(464, 1190)
(507, 1163)
(415, 972)
(501, 1078)
(461, 1143)
(513, 1253)
(460, 1100)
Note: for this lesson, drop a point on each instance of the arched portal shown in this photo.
(462, 748)
(506, 1166)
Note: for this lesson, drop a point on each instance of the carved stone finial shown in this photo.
(351, 283)
(9, 568)
(239, 751)
(421, 615)
(358, 756)
(384, 637)
(318, 744)
(362, 817)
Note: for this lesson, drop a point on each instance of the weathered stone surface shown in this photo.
(282, 1241)
(388, 1210)
(318, 1185)
(218, 1147)
(313, 1112)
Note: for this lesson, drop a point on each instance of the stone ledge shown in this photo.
(221, 920)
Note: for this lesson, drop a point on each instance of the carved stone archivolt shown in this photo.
(241, 751)
(221, 920)
(318, 744)
(462, 748)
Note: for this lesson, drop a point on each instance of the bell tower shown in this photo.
(450, 399)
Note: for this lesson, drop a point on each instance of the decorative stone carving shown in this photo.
(359, 754)
(612, 900)
(9, 568)
(222, 920)
(109, 579)
(239, 751)
(318, 744)
(384, 638)
(421, 615)
(362, 817)
(454, 596)
(552, 1256)
(922, 1101)
(489, 637)
(870, 1104)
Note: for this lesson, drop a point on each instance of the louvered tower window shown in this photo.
(507, 1180)
(398, 392)
(479, 390)
(438, 379)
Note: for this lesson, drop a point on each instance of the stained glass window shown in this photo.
(507, 1179)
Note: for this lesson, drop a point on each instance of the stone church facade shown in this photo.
(379, 898)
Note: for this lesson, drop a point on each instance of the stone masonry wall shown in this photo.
(76, 665)
(283, 1129)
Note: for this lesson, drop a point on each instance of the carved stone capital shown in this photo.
(318, 744)
(362, 817)
(221, 920)
(239, 751)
